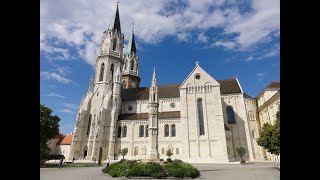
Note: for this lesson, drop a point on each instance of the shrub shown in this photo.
(117, 169)
(177, 168)
(144, 169)
(181, 169)
(169, 160)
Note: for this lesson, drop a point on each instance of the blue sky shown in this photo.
(229, 38)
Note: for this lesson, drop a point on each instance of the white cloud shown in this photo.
(226, 44)
(261, 76)
(66, 111)
(249, 58)
(185, 37)
(80, 24)
(54, 76)
(56, 95)
(202, 38)
(63, 70)
(70, 106)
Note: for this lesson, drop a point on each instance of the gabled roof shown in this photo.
(274, 84)
(166, 91)
(227, 86)
(66, 140)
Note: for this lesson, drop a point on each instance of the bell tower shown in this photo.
(130, 77)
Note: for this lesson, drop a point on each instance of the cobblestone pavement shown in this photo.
(252, 171)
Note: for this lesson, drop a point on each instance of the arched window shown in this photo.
(173, 130)
(119, 131)
(166, 130)
(114, 47)
(141, 131)
(111, 71)
(251, 115)
(124, 131)
(230, 115)
(132, 65)
(125, 65)
(252, 132)
(101, 72)
(136, 151)
(147, 133)
(200, 116)
(89, 124)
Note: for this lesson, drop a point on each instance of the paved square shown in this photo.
(252, 171)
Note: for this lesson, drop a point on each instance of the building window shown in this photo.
(119, 131)
(147, 133)
(114, 47)
(230, 115)
(173, 130)
(144, 150)
(172, 105)
(129, 108)
(177, 150)
(89, 124)
(125, 65)
(200, 116)
(124, 131)
(136, 151)
(166, 130)
(141, 131)
(101, 72)
(197, 76)
(132, 65)
(163, 150)
(111, 71)
(252, 132)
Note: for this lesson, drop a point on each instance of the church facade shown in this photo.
(201, 119)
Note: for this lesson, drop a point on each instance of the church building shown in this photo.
(200, 119)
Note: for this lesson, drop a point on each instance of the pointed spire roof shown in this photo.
(154, 80)
(132, 44)
(115, 22)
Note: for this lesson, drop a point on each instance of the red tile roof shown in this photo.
(274, 84)
(66, 140)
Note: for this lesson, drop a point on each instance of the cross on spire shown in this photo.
(117, 2)
(197, 63)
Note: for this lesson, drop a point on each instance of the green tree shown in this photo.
(49, 127)
(241, 152)
(270, 136)
(124, 152)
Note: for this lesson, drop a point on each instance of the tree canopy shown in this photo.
(49, 127)
(270, 136)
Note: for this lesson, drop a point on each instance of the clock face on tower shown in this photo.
(133, 85)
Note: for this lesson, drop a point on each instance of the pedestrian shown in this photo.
(108, 161)
(73, 159)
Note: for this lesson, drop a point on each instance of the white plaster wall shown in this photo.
(240, 130)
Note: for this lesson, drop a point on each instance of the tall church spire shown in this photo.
(154, 80)
(115, 22)
(132, 44)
